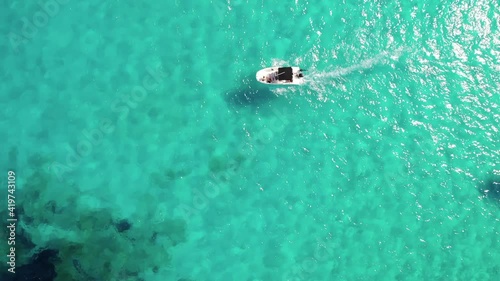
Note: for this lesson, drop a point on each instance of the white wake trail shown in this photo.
(382, 58)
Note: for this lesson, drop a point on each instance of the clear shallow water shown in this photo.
(376, 170)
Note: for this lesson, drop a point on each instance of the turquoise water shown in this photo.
(383, 167)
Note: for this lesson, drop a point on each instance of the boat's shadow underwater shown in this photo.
(249, 94)
(490, 189)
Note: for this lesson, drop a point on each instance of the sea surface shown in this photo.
(144, 149)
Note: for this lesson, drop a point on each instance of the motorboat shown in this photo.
(290, 75)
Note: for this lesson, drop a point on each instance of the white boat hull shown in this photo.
(280, 76)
